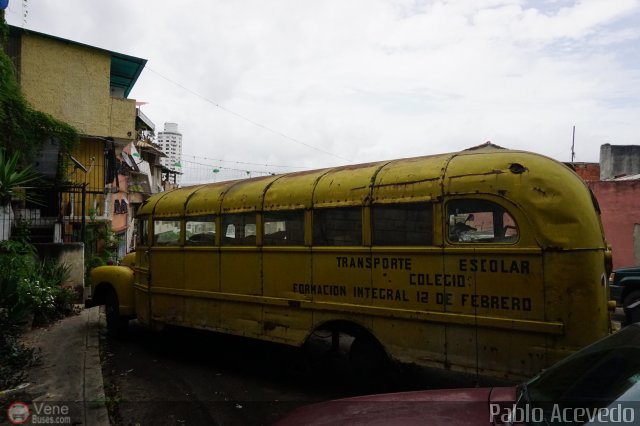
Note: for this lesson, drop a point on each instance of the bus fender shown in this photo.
(118, 279)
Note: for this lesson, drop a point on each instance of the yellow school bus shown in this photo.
(488, 261)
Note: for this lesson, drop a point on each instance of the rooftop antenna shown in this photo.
(78, 165)
(573, 144)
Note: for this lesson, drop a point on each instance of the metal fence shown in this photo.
(59, 216)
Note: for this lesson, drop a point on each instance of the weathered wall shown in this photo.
(618, 160)
(620, 206)
(71, 82)
(71, 254)
(636, 242)
(587, 171)
(120, 221)
(123, 118)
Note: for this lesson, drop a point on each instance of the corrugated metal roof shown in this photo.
(627, 177)
(150, 147)
(125, 71)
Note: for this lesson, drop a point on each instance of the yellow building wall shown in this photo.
(71, 82)
(90, 154)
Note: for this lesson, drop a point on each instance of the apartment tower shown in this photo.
(170, 142)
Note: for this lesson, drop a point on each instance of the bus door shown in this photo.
(167, 271)
(201, 272)
(286, 273)
(493, 284)
(240, 275)
(142, 273)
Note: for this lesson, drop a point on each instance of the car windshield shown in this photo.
(602, 375)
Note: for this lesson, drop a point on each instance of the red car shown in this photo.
(434, 407)
(598, 384)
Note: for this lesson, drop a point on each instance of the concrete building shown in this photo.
(87, 87)
(170, 142)
(619, 161)
(615, 182)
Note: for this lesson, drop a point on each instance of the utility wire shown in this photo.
(241, 162)
(255, 123)
(227, 168)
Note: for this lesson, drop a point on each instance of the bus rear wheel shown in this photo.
(368, 361)
(116, 324)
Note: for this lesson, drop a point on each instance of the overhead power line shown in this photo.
(242, 117)
(241, 162)
(213, 166)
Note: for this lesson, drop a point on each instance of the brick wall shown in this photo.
(620, 205)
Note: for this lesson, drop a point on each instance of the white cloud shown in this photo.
(374, 79)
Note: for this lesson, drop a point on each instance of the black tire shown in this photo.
(116, 325)
(632, 314)
(369, 363)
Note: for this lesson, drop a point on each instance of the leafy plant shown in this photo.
(18, 259)
(14, 315)
(14, 180)
(31, 293)
(101, 243)
(53, 273)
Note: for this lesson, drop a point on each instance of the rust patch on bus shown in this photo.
(407, 182)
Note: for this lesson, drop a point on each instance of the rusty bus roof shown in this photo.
(551, 195)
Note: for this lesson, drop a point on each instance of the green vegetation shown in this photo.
(22, 128)
(31, 293)
(13, 179)
(101, 243)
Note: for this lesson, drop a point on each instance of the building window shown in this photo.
(337, 227)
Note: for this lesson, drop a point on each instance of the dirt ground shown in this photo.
(189, 377)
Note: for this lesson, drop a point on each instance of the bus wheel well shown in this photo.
(99, 295)
(343, 334)
(351, 347)
(345, 327)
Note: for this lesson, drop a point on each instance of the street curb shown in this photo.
(95, 409)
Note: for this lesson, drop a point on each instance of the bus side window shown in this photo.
(201, 231)
(337, 226)
(480, 221)
(284, 228)
(166, 232)
(402, 224)
(239, 229)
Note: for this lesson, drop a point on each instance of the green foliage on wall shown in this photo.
(22, 128)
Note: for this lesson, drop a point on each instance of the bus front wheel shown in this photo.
(116, 325)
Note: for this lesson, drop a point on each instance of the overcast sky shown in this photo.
(309, 84)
